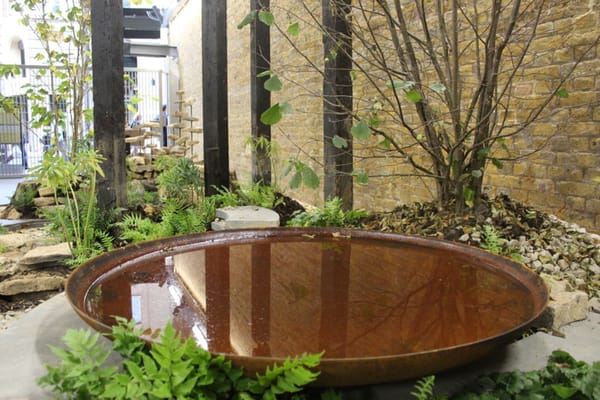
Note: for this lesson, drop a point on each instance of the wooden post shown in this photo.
(260, 98)
(337, 100)
(214, 95)
(109, 107)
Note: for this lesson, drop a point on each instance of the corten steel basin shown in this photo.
(383, 307)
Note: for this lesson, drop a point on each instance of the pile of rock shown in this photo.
(31, 200)
(32, 264)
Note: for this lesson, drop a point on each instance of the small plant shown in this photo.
(255, 194)
(79, 221)
(332, 214)
(179, 179)
(490, 239)
(424, 389)
(22, 200)
(562, 378)
(494, 243)
(175, 219)
(168, 369)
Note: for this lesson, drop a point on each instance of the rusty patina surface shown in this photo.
(383, 307)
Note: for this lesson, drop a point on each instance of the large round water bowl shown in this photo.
(383, 307)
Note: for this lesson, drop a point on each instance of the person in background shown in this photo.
(136, 121)
(164, 116)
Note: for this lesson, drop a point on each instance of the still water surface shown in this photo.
(347, 297)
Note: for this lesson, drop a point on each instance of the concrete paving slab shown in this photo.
(245, 217)
(24, 351)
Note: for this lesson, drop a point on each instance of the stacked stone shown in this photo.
(32, 262)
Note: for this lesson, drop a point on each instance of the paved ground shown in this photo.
(24, 350)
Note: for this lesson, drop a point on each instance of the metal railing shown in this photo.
(23, 146)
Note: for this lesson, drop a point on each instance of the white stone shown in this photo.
(13, 240)
(45, 255)
(245, 217)
(30, 284)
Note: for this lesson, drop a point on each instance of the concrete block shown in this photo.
(245, 217)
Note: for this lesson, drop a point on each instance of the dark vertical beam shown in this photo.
(260, 98)
(337, 100)
(109, 107)
(214, 95)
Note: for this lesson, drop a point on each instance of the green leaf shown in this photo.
(247, 19)
(293, 29)
(339, 142)
(414, 96)
(361, 130)
(477, 173)
(286, 107)
(264, 73)
(362, 178)
(400, 85)
(266, 17)
(273, 84)
(469, 195)
(296, 180)
(437, 87)
(272, 115)
(386, 144)
(562, 93)
(564, 392)
(497, 163)
(310, 178)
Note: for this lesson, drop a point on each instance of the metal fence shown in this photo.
(23, 146)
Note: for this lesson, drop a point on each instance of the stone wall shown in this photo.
(560, 167)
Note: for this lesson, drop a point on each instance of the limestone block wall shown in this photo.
(558, 164)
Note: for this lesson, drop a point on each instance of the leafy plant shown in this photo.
(169, 368)
(438, 87)
(333, 214)
(490, 239)
(64, 36)
(255, 194)
(22, 200)
(562, 378)
(179, 178)
(79, 221)
(424, 389)
(175, 219)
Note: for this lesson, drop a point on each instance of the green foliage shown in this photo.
(290, 377)
(424, 389)
(80, 221)
(490, 239)
(176, 219)
(254, 194)
(562, 378)
(332, 214)
(22, 200)
(274, 114)
(303, 174)
(64, 36)
(179, 178)
(170, 368)
(81, 374)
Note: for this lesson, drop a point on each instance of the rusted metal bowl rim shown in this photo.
(88, 273)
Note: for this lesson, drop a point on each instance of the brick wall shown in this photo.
(560, 168)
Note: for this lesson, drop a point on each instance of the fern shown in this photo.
(424, 389)
(286, 378)
(490, 240)
(333, 214)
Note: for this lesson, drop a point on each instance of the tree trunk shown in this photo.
(337, 101)
(109, 107)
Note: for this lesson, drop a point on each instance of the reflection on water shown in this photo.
(350, 297)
